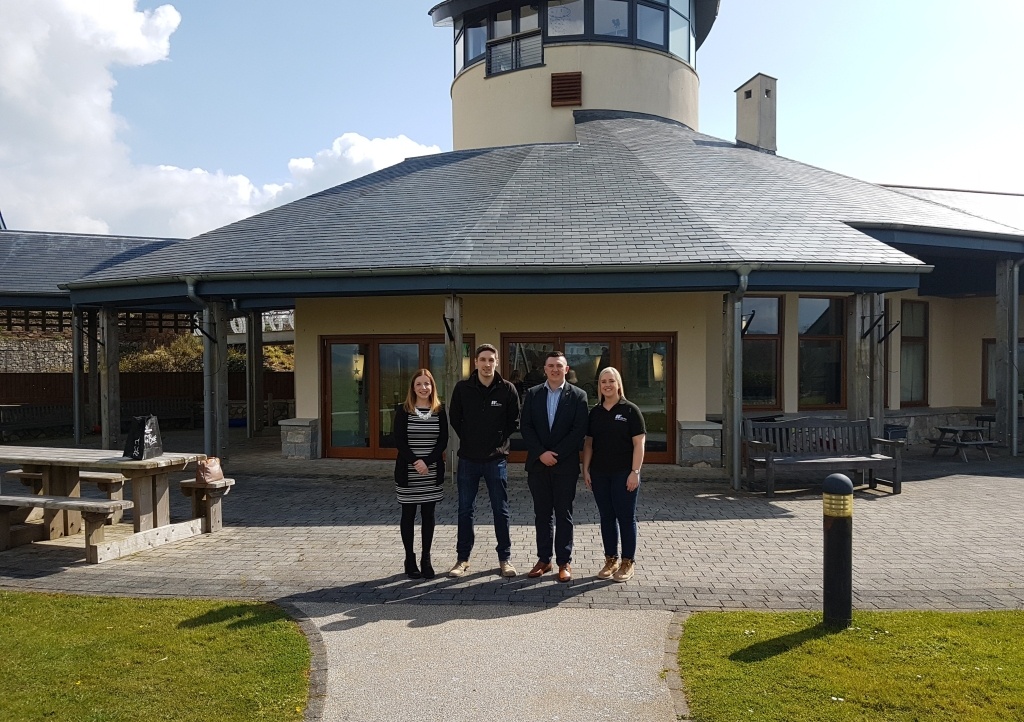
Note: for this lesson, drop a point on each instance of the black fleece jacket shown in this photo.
(484, 417)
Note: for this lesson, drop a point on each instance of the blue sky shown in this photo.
(168, 119)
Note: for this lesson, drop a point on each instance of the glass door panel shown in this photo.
(396, 363)
(586, 359)
(525, 370)
(643, 367)
(350, 398)
(437, 353)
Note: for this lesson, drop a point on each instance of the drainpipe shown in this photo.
(736, 402)
(208, 362)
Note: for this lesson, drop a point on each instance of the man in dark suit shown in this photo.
(553, 425)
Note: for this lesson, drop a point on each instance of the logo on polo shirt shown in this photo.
(495, 402)
(620, 417)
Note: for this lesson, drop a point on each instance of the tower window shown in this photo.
(565, 17)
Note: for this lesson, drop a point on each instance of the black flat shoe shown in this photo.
(427, 567)
(411, 570)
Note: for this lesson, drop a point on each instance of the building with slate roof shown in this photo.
(581, 210)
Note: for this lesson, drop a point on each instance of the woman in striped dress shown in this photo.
(421, 434)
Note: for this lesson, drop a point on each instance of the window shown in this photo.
(366, 377)
(822, 382)
(476, 39)
(914, 354)
(516, 40)
(611, 18)
(565, 17)
(505, 36)
(650, 25)
(988, 370)
(762, 353)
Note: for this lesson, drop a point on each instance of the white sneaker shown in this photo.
(506, 569)
(460, 569)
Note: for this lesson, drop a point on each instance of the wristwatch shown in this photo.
(636, 471)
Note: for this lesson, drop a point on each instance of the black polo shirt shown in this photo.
(613, 432)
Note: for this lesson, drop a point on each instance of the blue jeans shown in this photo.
(617, 506)
(495, 474)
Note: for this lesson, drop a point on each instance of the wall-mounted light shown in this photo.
(658, 366)
(746, 320)
(465, 367)
(358, 360)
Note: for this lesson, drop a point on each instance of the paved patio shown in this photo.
(326, 530)
(321, 537)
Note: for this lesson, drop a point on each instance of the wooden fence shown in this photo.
(19, 388)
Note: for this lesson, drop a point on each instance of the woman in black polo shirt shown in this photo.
(613, 453)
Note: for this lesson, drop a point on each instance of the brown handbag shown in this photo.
(209, 470)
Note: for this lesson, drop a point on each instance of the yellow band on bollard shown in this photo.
(837, 504)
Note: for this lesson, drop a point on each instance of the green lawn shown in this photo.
(898, 666)
(97, 659)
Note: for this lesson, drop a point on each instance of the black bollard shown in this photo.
(837, 500)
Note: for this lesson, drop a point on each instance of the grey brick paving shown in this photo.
(326, 530)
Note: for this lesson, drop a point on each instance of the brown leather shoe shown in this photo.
(538, 569)
(564, 572)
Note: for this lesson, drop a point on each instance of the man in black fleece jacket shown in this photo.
(484, 411)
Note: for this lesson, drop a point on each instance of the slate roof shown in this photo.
(636, 193)
(1005, 208)
(32, 264)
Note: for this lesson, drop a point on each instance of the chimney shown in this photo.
(755, 113)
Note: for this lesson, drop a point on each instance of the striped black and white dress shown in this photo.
(422, 438)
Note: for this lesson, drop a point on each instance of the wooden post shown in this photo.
(92, 419)
(254, 374)
(865, 378)
(78, 412)
(221, 404)
(1006, 406)
(732, 385)
(452, 366)
(110, 383)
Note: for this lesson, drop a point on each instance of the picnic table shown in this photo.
(961, 438)
(61, 468)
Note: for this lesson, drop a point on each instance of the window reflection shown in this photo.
(643, 369)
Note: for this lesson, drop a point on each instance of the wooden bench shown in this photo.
(170, 409)
(961, 438)
(110, 483)
(820, 445)
(34, 417)
(96, 512)
(206, 500)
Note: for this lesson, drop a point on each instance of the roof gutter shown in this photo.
(508, 270)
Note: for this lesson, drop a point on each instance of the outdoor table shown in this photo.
(60, 469)
(960, 438)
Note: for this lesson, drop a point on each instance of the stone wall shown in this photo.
(35, 354)
(300, 438)
(699, 444)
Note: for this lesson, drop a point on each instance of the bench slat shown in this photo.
(66, 503)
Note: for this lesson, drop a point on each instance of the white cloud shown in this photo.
(62, 164)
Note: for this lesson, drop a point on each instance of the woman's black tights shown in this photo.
(408, 523)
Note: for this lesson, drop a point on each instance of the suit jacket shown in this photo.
(564, 437)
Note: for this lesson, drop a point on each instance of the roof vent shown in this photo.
(755, 113)
(566, 89)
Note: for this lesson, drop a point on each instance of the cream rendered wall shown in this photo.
(956, 330)
(515, 108)
(488, 316)
(715, 317)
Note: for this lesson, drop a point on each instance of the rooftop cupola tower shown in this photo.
(521, 69)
